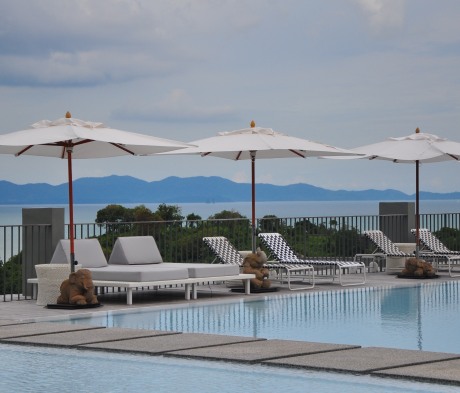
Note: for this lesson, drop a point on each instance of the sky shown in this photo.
(342, 72)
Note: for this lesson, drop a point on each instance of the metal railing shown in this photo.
(181, 241)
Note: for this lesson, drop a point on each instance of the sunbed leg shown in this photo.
(195, 291)
(129, 296)
(247, 286)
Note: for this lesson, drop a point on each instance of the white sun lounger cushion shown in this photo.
(88, 253)
(138, 273)
(135, 250)
(203, 270)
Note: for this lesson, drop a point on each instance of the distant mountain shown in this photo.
(127, 189)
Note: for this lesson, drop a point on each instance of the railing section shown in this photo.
(181, 241)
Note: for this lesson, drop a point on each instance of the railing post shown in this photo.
(42, 229)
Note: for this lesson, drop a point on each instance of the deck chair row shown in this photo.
(287, 261)
(433, 249)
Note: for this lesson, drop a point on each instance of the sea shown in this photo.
(86, 213)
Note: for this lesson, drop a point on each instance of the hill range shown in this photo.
(199, 189)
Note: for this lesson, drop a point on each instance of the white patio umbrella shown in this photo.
(70, 138)
(413, 149)
(256, 143)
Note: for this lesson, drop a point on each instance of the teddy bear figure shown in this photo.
(78, 289)
(254, 264)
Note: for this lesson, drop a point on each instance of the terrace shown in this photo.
(24, 246)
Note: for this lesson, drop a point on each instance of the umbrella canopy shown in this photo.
(414, 149)
(70, 138)
(256, 143)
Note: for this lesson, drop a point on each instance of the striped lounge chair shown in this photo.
(225, 252)
(440, 253)
(284, 254)
(385, 245)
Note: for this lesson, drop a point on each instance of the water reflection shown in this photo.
(422, 317)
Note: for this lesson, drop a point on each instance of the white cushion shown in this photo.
(88, 253)
(135, 250)
(142, 273)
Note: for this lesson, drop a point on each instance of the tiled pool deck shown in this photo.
(20, 324)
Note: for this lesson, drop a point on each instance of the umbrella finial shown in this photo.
(417, 130)
(68, 115)
(253, 123)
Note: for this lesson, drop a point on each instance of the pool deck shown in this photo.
(22, 322)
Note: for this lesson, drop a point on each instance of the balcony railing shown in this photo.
(181, 241)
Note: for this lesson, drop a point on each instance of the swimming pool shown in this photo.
(424, 317)
(31, 369)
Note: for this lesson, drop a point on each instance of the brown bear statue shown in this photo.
(78, 289)
(254, 264)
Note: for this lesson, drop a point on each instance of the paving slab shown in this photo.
(257, 351)
(447, 371)
(362, 360)
(162, 344)
(33, 329)
(71, 339)
(6, 322)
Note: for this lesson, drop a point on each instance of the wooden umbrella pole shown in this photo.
(417, 210)
(253, 220)
(71, 229)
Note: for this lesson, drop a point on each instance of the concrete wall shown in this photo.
(42, 229)
(397, 229)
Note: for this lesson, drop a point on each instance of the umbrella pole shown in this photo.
(417, 211)
(71, 231)
(253, 219)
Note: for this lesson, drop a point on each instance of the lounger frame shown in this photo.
(438, 251)
(226, 253)
(284, 254)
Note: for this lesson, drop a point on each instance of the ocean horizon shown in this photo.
(86, 213)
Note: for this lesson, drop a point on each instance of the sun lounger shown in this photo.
(136, 262)
(284, 254)
(226, 253)
(440, 253)
(384, 245)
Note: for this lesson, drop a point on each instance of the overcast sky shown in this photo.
(341, 72)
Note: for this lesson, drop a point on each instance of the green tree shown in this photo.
(114, 213)
(169, 212)
(226, 214)
(11, 275)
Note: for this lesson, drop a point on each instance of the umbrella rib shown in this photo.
(121, 147)
(297, 153)
(23, 150)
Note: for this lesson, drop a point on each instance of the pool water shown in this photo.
(32, 369)
(424, 317)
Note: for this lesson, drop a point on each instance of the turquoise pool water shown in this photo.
(424, 317)
(31, 369)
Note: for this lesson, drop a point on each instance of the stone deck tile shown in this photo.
(257, 351)
(447, 371)
(70, 339)
(34, 329)
(162, 344)
(6, 322)
(362, 360)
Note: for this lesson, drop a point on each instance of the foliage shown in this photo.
(226, 215)
(450, 237)
(114, 213)
(11, 275)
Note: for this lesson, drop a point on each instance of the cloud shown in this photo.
(177, 106)
(82, 42)
(383, 15)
